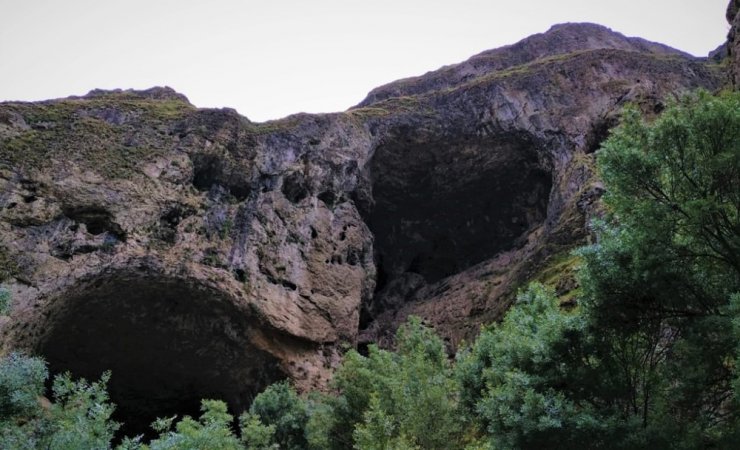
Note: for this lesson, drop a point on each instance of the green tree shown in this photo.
(280, 407)
(679, 177)
(22, 381)
(406, 398)
(80, 416)
(520, 380)
(648, 359)
(255, 434)
(658, 283)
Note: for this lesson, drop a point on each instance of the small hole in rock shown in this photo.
(363, 349)
(294, 187)
(328, 198)
(240, 275)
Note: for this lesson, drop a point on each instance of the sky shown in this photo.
(271, 58)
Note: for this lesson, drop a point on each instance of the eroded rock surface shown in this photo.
(143, 235)
(507, 136)
(733, 41)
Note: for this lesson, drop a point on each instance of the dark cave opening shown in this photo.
(168, 343)
(439, 207)
(212, 169)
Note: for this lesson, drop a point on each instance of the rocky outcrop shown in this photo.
(561, 39)
(733, 41)
(147, 236)
(512, 147)
(153, 238)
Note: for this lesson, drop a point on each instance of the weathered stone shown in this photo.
(733, 41)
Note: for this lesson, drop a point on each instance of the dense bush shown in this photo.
(517, 379)
(402, 399)
(285, 412)
(212, 430)
(21, 385)
(406, 398)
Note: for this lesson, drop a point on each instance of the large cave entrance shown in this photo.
(168, 342)
(441, 206)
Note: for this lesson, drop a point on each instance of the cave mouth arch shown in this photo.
(168, 343)
(439, 205)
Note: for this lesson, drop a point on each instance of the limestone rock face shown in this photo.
(141, 234)
(733, 41)
(484, 177)
(561, 39)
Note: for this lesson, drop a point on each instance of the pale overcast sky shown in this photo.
(268, 59)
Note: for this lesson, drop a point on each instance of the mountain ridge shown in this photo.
(560, 39)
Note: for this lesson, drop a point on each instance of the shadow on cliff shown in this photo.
(169, 343)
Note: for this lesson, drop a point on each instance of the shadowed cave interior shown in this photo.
(169, 343)
(440, 206)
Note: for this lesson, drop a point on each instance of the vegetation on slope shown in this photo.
(647, 359)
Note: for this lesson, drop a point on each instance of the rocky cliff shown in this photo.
(733, 42)
(198, 254)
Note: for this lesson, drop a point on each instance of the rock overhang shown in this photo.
(168, 342)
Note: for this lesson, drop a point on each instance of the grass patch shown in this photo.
(272, 126)
(71, 130)
(393, 105)
(559, 273)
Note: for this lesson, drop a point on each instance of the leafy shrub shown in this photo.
(511, 377)
(405, 398)
(78, 419)
(280, 407)
(211, 431)
(21, 385)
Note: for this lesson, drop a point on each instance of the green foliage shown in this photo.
(21, 385)
(279, 406)
(378, 430)
(559, 273)
(78, 419)
(510, 377)
(414, 390)
(255, 434)
(226, 228)
(81, 414)
(321, 419)
(212, 430)
(657, 284)
(405, 399)
(680, 173)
